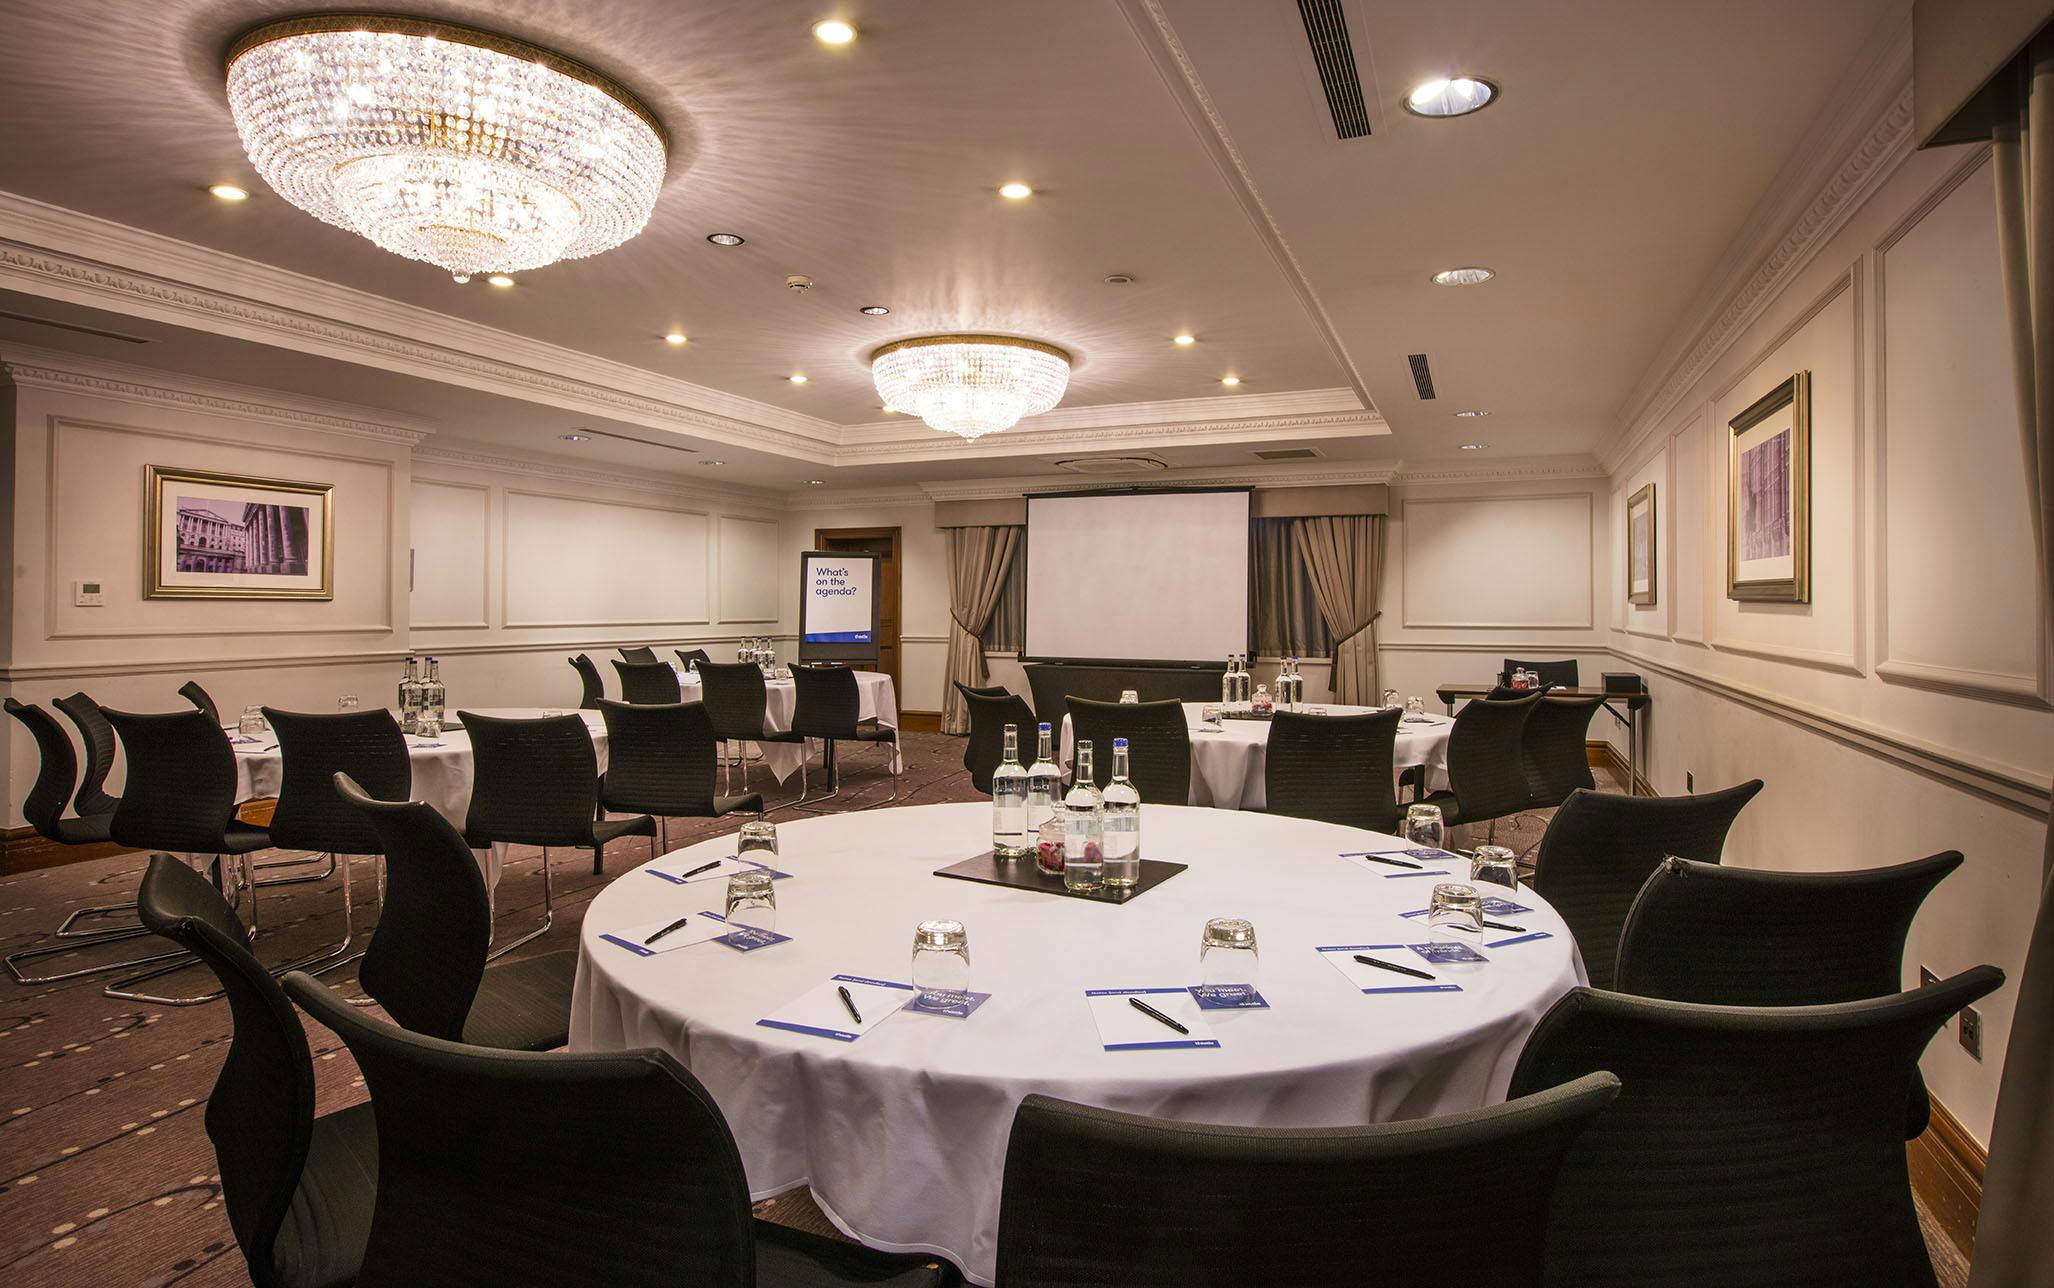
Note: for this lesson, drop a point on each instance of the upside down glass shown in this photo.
(756, 837)
(941, 963)
(252, 723)
(1455, 914)
(1228, 963)
(1423, 826)
(751, 901)
(1494, 865)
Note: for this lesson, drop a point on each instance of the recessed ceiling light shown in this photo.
(816, 482)
(1230, 380)
(1185, 339)
(1446, 96)
(1475, 275)
(229, 192)
(874, 310)
(575, 438)
(1474, 447)
(833, 32)
(500, 279)
(889, 411)
(675, 337)
(1470, 415)
(796, 379)
(713, 462)
(725, 239)
(1015, 191)
(1119, 279)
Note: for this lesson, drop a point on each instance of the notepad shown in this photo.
(1492, 907)
(702, 927)
(818, 1012)
(1123, 1028)
(1375, 979)
(747, 939)
(1447, 953)
(1367, 861)
(728, 867)
(947, 1003)
(1518, 939)
(1228, 997)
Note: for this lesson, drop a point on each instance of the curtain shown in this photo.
(1287, 617)
(1006, 632)
(1344, 558)
(979, 559)
(2015, 1239)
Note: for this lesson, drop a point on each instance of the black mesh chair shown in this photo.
(638, 654)
(736, 701)
(97, 737)
(991, 710)
(537, 783)
(1344, 1207)
(1554, 750)
(201, 700)
(651, 682)
(1335, 768)
(829, 705)
(692, 657)
(1745, 937)
(427, 962)
(1158, 745)
(1486, 772)
(660, 761)
(299, 1190)
(593, 689)
(1554, 675)
(1601, 847)
(535, 1170)
(1759, 1146)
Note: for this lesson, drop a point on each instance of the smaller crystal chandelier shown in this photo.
(971, 385)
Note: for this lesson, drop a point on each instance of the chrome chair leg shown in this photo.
(79, 945)
(898, 778)
(64, 930)
(831, 765)
(548, 915)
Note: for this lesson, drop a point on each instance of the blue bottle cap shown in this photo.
(1045, 726)
(1119, 742)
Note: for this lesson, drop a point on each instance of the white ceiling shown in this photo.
(1180, 141)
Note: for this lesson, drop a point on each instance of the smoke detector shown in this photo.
(798, 283)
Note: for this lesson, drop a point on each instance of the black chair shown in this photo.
(828, 704)
(1345, 1207)
(1158, 745)
(1750, 1146)
(1554, 751)
(593, 688)
(1554, 675)
(1699, 932)
(991, 710)
(427, 962)
(97, 736)
(299, 1190)
(638, 654)
(201, 700)
(536, 782)
(534, 1170)
(649, 682)
(1486, 773)
(736, 701)
(1335, 768)
(1601, 847)
(660, 761)
(692, 657)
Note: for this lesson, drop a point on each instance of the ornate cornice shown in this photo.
(469, 458)
(932, 446)
(1510, 469)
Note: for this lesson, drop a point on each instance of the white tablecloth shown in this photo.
(902, 1134)
(1228, 765)
(877, 697)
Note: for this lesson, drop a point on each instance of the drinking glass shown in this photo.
(941, 962)
(756, 837)
(427, 725)
(1495, 865)
(1210, 714)
(752, 901)
(1228, 963)
(347, 702)
(1129, 695)
(1390, 697)
(1455, 914)
(252, 723)
(1415, 708)
(1423, 826)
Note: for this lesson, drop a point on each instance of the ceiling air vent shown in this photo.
(1422, 376)
(74, 327)
(1112, 465)
(1326, 27)
(1289, 454)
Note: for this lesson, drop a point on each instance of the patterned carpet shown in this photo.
(106, 1173)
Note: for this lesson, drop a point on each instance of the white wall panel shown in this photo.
(1512, 563)
(577, 562)
(750, 569)
(450, 536)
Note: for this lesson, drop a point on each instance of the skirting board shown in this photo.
(1603, 755)
(920, 721)
(1947, 1172)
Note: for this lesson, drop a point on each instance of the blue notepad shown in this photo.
(728, 867)
(1228, 997)
(1448, 953)
(1519, 939)
(1492, 907)
(749, 938)
(947, 1003)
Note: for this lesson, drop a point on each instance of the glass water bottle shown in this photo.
(1011, 839)
(1122, 824)
(1228, 683)
(1044, 782)
(410, 696)
(1083, 828)
(432, 696)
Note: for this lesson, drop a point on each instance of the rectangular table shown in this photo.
(1623, 707)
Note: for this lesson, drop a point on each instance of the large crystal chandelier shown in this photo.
(477, 152)
(970, 384)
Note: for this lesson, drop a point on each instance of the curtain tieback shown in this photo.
(1364, 625)
(964, 626)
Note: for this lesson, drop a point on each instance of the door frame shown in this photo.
(821, 536)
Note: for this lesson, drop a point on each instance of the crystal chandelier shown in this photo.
(477, 152)
(970, 384)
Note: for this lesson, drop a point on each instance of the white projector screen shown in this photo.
(1138, 576)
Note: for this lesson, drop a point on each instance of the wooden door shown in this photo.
(884, 543)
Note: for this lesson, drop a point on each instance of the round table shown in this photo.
(902, 1133)
(877, 699)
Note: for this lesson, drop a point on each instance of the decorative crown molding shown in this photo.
(932, 446)
(1296, 474)
(1508, 469)
(528, 467)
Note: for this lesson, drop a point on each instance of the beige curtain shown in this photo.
(1344, 557)
(1287, 618)
(979, 559)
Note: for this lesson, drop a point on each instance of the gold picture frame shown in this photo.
(232, 536)
(1768, 497)
(1641, 547)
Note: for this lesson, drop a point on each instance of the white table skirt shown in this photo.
(877, 697)
(1228, 766)
(902, 1134)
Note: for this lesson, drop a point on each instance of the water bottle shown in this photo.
(410, 696)
(1122, 866)
(1227, 683)
(1010, 838)
(1290, 685)
(433, 696)
(1083, 828)
(1244, 682)
(1044, 782)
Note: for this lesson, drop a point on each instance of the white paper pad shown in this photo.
(819, 1011)
(672, 868)
(702, 927)
(1122, 1028)
(1375, 979)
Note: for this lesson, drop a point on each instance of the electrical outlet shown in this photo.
(1690, 783)
(1972, 1032)
(1926, 977)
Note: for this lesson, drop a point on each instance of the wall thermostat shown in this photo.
(87, 594)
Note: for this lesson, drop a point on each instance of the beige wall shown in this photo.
(923, 587)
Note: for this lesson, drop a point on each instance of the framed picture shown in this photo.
(1640, 546)
(1768, 497)
(224, 536)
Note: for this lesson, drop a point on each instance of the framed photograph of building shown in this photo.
(1768, 497)
(224, 536)
(1640, 546)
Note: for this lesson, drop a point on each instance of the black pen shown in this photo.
(1384, 965)
(849, 1002)
(1499, 925)
(704, 867)
(679, 924)
(1154, 1014)
(1385, 858)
